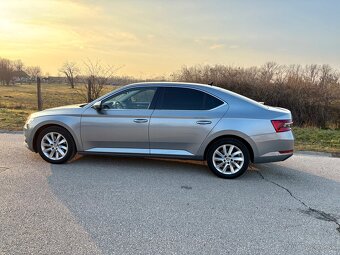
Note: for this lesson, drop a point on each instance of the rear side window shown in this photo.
(186, 99)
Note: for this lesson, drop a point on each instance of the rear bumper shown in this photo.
(273, 158)
(273, 147)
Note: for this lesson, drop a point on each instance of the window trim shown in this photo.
(151, 106)
(161, 97)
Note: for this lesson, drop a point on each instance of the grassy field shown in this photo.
(316, 139)
(17, 102)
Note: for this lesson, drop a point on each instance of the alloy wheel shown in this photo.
(228, 159)
(54, 146)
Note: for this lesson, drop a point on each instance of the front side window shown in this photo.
(187, 99)
(139, 98)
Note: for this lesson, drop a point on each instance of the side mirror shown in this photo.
(97, 106)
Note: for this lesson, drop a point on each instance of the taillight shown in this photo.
(282, 125)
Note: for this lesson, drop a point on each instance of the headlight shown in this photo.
(29, 120)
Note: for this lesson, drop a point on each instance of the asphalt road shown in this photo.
(107, 205)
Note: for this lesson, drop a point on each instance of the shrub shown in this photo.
(311, 92)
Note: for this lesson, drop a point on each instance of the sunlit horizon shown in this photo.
(148, 38)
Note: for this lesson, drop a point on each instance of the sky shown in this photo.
(150, 38)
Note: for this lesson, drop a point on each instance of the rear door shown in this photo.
(182, 119)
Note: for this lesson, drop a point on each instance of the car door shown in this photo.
(182, 119)
(121, 126)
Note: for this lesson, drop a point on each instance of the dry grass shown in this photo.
(13, 119)
(17, 102)
(24, 96)
(316, 139)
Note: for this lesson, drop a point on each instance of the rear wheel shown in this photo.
(228, 158)
(55, 145)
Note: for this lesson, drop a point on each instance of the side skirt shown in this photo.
(142, 155)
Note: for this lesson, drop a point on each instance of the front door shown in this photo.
(122, 124)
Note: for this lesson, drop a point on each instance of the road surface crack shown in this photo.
(318, 214)
(186, 187)
(3, 169)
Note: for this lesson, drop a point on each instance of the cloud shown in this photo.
(216, 46)
(125, 37)
(207, 40)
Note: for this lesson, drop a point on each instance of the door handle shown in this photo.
(203, 122)
(140, 120)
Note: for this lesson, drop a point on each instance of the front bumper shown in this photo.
(28, 137)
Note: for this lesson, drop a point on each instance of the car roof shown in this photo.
(170, 84)
(217, 91)
(224, 94)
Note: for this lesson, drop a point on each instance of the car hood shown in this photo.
(75, 109)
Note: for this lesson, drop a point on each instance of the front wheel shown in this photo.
(228, 158)
(55, 145)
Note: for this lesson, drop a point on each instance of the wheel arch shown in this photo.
(244, 141)
(46, 125)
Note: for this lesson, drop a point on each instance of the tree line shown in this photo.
(12, 70)
(93, 76)
(311, 92)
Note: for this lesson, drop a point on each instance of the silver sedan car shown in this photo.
(175, 120)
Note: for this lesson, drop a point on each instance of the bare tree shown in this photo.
(18, 69)
(70, 70)
(268, 71)
(18, 65)
(33, 72)
(6, 71)
(312, 73)
(96, 76)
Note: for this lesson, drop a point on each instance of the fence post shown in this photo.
(40, 106)
(89, 90)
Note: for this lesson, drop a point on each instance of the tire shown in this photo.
(58, 140)
(225, 165)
